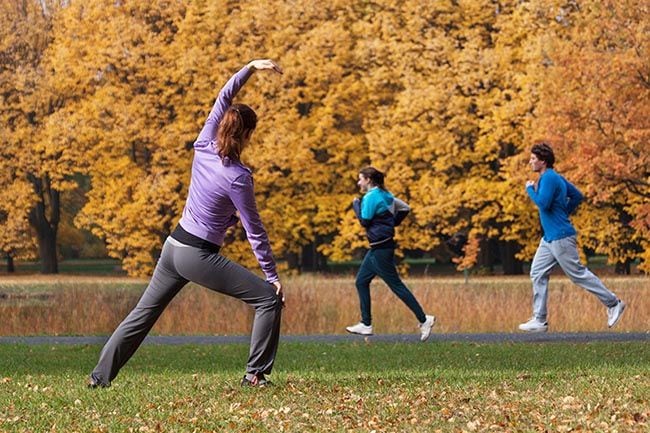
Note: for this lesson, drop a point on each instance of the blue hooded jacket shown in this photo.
(556, 198)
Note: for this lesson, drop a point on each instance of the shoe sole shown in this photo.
(257, 385)
(534, 331)
(358, 333)
(620, 315)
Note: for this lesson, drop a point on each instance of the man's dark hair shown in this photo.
(544, 152)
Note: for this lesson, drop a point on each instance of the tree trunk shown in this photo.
(489, 249)
(511, 265)
(623, 268)
(292, 260)
(10, 264)
(311, 259)
(47, 253)
(46, 223)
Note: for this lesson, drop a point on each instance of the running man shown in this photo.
(556, 199)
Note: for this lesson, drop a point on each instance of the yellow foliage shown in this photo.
(446, 97)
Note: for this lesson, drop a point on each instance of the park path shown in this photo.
(551, 337)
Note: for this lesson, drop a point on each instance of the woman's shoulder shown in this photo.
(239, 173)
(385, 194)
(379, 194)
(234, 165)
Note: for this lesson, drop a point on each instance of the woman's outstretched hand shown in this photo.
(265, 64)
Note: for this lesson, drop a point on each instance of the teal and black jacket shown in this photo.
(380, 212)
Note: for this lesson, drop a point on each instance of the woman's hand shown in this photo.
(278, 291)
(265, 64)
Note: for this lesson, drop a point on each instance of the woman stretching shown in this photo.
(379, 212)
(220, 186)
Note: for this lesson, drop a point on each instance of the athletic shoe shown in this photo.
(360, 328)
(94, 383)
(258, 380)
(534, 325)
(425, 328)
(614, 313)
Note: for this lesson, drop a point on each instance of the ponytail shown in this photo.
(238, 121)
(376, 177)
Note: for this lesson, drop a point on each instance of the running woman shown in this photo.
(379, 212)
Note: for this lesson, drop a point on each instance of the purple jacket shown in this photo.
(221, 187)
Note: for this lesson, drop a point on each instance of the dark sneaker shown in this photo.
(94, 383)
(259, 380)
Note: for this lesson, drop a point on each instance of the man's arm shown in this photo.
(574, 197)
(543, 196)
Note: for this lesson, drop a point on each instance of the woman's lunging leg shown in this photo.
(164, 285)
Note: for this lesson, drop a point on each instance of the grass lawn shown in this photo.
(333, 387)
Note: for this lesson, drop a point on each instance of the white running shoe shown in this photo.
(614, 313)
(360, 328)
(534, 325)
(425, 328)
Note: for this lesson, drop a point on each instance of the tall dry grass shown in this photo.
(315, 305)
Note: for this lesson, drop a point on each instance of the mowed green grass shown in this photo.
(381, 387)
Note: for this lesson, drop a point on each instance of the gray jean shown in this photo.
(179, 264)
(565, 253)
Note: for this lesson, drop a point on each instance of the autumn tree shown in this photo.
(454, 97)
(16, 241)
(27, 159)
(446, 97)
(596, 110)
(309, 128)
(112, 55)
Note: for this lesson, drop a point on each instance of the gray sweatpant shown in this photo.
(565, 253)
(179, 264)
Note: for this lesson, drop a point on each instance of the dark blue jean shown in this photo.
(382, 262)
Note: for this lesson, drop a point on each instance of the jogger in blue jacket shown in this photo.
(556, 199)
(379, 212)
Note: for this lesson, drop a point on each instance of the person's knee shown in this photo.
(400, 290)
(272, 302)
(537, 276)
(579, 278)
(362, 284)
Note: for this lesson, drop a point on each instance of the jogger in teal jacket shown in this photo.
(379, 212)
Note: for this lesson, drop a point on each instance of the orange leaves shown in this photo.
(596, 110)
(445, 97)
